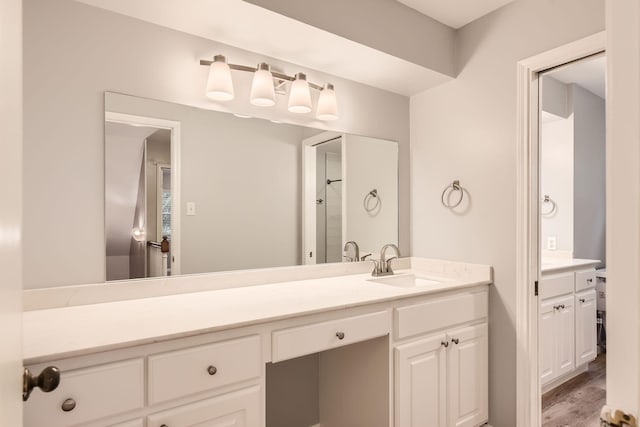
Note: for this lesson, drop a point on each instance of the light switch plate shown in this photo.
(191, 208)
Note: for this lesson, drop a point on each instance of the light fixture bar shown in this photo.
(276, 75)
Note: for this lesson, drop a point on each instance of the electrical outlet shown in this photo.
(191, 208)
(552, 243)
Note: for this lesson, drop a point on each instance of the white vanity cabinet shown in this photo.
(441, 380)
(567, 324)
(414, 361)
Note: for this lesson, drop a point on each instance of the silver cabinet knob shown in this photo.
(68, 405)
(581, 300)
(211, 370)
(590, 280)
(340, 335)
(455, 340)
(445, 344)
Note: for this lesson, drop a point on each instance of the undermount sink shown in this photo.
(405, 281)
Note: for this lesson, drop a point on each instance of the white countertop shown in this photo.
(558, 264)
(57, 333)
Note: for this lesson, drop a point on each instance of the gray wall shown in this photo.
(589, 205)
(466, 129)
(86, 51)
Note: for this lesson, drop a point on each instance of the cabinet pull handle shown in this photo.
(581, 300)
(340, 335)
(47, 381)
(455, 340)
(445, 344)
(211, 370)
(68, 405)
(164, 425)
(590, 280)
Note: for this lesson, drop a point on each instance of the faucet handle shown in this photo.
(376, 266)
(388, 262)
(364, 257)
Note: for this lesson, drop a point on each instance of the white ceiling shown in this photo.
(455, 13)
(590, 74)
(239, 24)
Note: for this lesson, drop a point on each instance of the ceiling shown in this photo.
(237, 23)
(455, 13)
(588, 73)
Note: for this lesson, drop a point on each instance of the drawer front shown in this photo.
(183, 372)
(440, 313)
(555, 285)
(134, 423)
(236, 409)
(308, 339)
(98, 392)
(585, 279)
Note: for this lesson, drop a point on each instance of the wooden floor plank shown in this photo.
(577, 403)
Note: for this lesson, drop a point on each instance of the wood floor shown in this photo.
(577, 403)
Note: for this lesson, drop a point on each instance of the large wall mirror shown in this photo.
(190, 190)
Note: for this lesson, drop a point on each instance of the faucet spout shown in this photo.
(383, 267)
(355, 248)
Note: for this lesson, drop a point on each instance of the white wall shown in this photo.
(556, 181)
(84, 57)
(466, 129)
(370, 164)
(623, 204)
(589, 217)
(11, 212)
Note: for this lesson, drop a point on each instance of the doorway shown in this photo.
(529, 202)
(572, 276)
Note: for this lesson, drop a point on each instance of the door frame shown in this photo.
(174, 127)
(527, 218)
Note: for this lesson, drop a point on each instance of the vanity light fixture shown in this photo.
(219, 84)
(263, 93)
(263, 89)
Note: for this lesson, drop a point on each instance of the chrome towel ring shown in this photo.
(373, 194)
(446, 193)
(553, 206)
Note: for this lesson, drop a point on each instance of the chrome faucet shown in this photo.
(356, 249)
(382, 267)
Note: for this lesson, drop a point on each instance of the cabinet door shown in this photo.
(467, 383)
(547, 359)
(237, 409)
(565, 335)
(586, 349)
(420, 385)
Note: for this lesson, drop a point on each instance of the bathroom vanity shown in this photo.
(347, 349)
(567, 319)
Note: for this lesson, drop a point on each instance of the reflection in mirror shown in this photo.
(234, 193)
(138, 198)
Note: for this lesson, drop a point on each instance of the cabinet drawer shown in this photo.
(555, 285)
(98, 392)
(308, 339)
(440, 313)
(133, 423)
(183, 372)
(585, 279)
(237, 409)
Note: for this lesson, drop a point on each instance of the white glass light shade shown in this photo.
(327, 104)
(219, 84)
(263, 93)
(300, 96)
